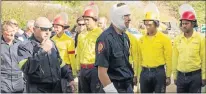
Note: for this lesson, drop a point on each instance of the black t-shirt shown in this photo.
(112, 52)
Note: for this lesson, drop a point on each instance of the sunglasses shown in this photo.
(44, 28)
(81, 24)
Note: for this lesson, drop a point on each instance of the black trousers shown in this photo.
(89, 81)
(124, 86)
(189, 82)
(44, 87)
(65, 84)
(153, 80)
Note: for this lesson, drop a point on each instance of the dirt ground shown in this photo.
(170, 89)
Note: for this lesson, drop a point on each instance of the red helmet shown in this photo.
(90, 13)
(58, 21)
(188, 15)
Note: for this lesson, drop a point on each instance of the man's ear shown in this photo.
(34, 29)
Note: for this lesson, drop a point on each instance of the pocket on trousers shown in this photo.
(19, 85)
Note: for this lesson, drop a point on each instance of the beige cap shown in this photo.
(43, 22)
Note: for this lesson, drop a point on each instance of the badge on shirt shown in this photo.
(195, 42)
(100, 47)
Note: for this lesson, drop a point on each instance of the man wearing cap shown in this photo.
(89, 82)
(65, 45)
(189, 56)
(112, 53)
(155, 57)
(41, 62)
(11, 74)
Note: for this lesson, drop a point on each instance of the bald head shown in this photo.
(43, 22)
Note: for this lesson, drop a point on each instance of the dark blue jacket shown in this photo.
(40, 66)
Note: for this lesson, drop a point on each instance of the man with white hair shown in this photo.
(102, 23)
(112, 53)
(41, 62)
(29, 29)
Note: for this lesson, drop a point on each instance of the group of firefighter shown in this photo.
(105, 60)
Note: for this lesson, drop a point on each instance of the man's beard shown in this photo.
(186, 30)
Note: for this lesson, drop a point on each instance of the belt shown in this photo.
(190, 73)
(87, 66)
(153, 69)
(11, 75)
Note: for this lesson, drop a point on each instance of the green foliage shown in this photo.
(23, 11)
(75, 10)
(199, 7)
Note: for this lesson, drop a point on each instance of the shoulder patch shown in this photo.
(100, 47)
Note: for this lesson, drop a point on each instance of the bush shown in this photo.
(24, 10)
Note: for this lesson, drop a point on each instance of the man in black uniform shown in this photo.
(41, 62)
(112, 53)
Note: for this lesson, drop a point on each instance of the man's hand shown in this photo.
(105, 80)
(175, 82)
(135, 80)
(203, 83)
(168, 81)
(110, 88)
(72, 85)
(46, 45)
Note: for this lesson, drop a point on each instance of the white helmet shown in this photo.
(117, 15)
(186, 7)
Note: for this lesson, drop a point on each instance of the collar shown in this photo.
(113, 32)
(32, 38)
(63, 35)
(156, 35)
(95, 29)
(4, 42)
(26, 35)
(193, 35)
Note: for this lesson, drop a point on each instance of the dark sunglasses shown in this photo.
(81, 24)
(44, 28)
